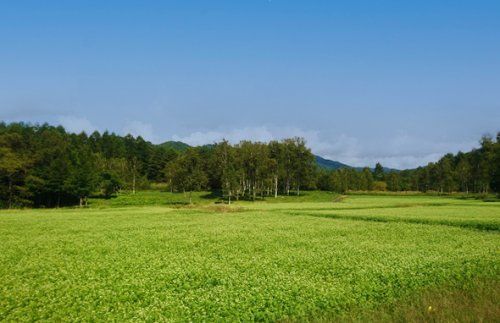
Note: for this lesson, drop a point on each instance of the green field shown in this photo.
(150, 257)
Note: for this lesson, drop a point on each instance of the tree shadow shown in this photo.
(212, 195)
(219, 197)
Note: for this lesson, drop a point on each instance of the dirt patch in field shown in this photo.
(339, 198)
(223, 208)
(219, 208)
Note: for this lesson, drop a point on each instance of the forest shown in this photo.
(46, 166)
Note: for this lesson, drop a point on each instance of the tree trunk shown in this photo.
(229, 199)
(275, 186)
(133, 182)
(298, 190)
(10, 192)
(190, 198)
(81, 201)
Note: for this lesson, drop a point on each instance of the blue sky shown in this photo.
(400, 82)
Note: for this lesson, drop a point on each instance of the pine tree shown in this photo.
(378, 173)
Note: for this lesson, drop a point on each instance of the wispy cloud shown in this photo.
(76, 124)
(138, 128)
(263, 134)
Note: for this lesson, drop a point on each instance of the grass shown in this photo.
(148, 257)
(153, 198)
(425, 210)
(474, 301)
(158, 197)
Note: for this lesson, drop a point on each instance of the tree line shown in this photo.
(477, 171)
(247, 170)
(46, 166)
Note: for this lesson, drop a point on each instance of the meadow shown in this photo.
(316, 257)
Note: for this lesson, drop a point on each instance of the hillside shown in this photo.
(175, 145)
(329, 164)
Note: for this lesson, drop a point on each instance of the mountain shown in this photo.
(329, 164)
(175, 145)
(334, 165)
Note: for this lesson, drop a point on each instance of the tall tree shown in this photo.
(187, 172)
(368, 179)
(463, 173)
(83, 177)
(226, 167)
(275, 164)
(378, 172)
(303, 163)
(13, 167)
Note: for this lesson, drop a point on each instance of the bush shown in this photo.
(379, 186)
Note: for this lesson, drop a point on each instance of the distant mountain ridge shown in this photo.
(320, 161)
(330, 164)
(174, 145)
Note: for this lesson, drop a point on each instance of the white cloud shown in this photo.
(401, 151)
(263, 134)
(138, 128)
(76, 124)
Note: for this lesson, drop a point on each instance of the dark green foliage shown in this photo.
(186, 172)
(157, 162)
(82, 175)
(248, 170)
(224, 165)
(477, 171)
(378, 173)
(44, 166)
(13, 167)
(110, 184)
